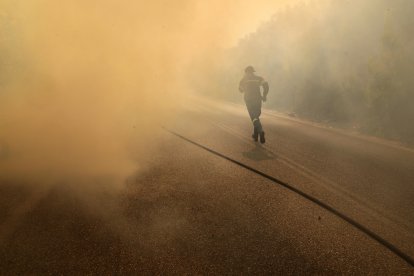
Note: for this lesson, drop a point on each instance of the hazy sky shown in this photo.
(237, 18)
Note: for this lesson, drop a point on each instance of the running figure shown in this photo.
(250, 86)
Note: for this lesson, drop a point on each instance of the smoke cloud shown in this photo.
(85, 85)
(343, 63)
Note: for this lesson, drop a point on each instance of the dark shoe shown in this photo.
(262, 137)
(255, 136)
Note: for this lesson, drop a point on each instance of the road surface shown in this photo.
(191, 211)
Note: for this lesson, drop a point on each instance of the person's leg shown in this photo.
(258, 124)
(259, 130)
(254, 109)
(250, 109)
(262, 137)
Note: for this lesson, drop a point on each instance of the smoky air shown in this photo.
(206, 137)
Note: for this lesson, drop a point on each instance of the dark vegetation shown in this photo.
(346, 63)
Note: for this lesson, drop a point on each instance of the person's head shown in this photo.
(249, 70)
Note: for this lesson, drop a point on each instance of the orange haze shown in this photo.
(84, 85)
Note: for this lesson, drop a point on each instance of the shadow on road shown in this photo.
(259, 153)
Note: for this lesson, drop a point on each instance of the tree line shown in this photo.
(344, 63)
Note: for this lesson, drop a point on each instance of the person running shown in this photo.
(250, 85)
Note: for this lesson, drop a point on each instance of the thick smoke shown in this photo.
(345, 63)
(79, 86)
(85, 85)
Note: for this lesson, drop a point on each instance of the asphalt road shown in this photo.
(192, 212)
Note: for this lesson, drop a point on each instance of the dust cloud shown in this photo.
(85, 85)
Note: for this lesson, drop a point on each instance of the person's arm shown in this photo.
(265, 86)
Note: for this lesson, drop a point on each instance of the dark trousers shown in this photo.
(254, 107)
